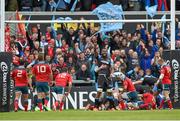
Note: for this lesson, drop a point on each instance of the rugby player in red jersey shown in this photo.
(62, 80)
(20, 77)
(43, 75)
(164, 78)
(129, 90)
(148, 101)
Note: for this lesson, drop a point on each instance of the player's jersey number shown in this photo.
(19, 73)
(41, 69)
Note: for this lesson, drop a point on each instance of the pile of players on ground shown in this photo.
(119, 92)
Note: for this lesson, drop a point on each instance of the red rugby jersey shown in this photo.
(148, 98)
(128, 85)
(42, 72)
(63, 79)
(166, 70)
(20, 77)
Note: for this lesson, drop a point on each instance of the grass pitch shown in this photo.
(91, 115)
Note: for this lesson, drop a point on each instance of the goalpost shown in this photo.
(3, 21)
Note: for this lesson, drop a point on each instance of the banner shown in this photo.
(77, 99)
(173, 60)
(6, 85)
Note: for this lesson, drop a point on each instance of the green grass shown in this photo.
(91, 115)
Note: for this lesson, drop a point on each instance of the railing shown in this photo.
(87, 13)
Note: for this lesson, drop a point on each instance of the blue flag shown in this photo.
(28, 23)
(67, 1)
(163, 23)
(52, 27)
(109, 11)
(151, 10)
(74, 5)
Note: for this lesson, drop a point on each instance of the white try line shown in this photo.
(89, 21)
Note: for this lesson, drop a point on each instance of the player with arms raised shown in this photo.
(164, 78)
(43, 75)
(61, 81)
(20, 77)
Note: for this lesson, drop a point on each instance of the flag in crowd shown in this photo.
(7, 38)
(20, 26)
(109, 11)
(163, 23)
(151, 10)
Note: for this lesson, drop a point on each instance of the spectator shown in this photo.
(134, 5)
(11, 5)
(25, 5)
(50, 49)
(58, 40)
(83, 73)
(177, 34)
(61, 64)
(82, 60)
(37, 5)
(145, 59)
(154, 64)
(70, 62)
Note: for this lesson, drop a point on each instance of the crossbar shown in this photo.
(90, 21)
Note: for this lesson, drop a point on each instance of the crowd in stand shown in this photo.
(80, 49)
(84, 5)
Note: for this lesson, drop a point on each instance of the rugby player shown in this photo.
(128, 88)
(43, 75)
(104, 90)
(164, 78)
(61, 81)
(20, 77)
(149, 101)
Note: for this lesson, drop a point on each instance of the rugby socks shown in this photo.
(46, 101)
(122, 105)
(161, 104)
(25, 105)
(40, 104)
(55, 105)
(169, 104)
(61, 106)
(15, 105)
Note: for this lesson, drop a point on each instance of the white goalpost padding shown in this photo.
(2, 25)
(172, 20)
(173, 12)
